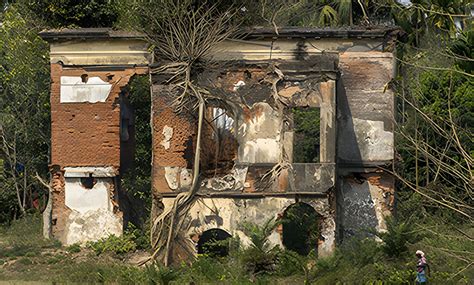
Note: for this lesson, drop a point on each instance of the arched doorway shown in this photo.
(300, 228)
(213, 242)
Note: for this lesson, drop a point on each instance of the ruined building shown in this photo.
(314, 102)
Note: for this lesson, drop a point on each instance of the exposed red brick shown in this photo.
(180, 151)
(85, 134)
(59, 209)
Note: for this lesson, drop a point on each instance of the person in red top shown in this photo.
(422, 268)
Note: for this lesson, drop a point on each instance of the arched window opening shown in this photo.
(300, 228)
(214, 242)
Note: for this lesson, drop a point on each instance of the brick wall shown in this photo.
(87, 134)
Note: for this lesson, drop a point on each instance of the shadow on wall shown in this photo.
(347, 146)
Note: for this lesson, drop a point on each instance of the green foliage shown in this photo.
(436, 139)
(74, 248)
(258, 234)
(132, 239)
(8, 204)
(355, 262)
(361, 252)
(23, 237)
(159, 274)
(141, 237)
(307, 13)
(300, 228)
(430, 18)
(26, 232)
(113, 243)
(463, 49)
(71, 13)
(137, 180)
(210, 268)
(24, 112)
(307, 132)
(366, 262)
(261, 256)
(397, 237)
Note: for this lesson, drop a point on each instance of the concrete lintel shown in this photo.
(233, 194)
(86, 171)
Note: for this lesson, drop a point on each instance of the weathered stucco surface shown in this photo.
(366, 109)
(88, 80)
(344, 73)
(366, 201)
(259, 134)
(92, 213)
(229, 213)
(83, 200)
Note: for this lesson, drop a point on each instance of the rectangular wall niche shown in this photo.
(306, 140)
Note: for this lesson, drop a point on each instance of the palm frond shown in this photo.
(328, 16)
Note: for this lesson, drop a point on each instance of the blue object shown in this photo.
(421, 277)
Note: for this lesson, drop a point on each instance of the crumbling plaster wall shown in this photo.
(229, 213)
(365, 141)
(85, 127)
(367, 199)
(84, 133)
(365, 110)
(365, 103)
(172, 142)
(90, 69)
(365, 107)
(262, 129)
(263, 132)
(79, 214)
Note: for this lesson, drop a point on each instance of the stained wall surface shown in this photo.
(356, 129)
(85, 133)
(346, 75)
(88, 80)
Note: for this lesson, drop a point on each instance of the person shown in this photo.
(422, 268)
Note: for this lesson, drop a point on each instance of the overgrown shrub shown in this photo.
(261, 256)
(397, 237)
(113, 243)
(159, 274)
(361, 252)
(132, 239)
(141, 237)
(74, 248)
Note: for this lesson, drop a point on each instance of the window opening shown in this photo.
(306, 139)
(214, 242)
(220, 143)
(300, 228)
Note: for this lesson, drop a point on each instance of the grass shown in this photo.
(26, 256)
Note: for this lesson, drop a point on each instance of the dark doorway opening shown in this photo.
(214, 242)
(300, 228)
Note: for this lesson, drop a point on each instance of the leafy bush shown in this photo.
(113, 243)
(132, 239)
(260, 257)
(361, 252)
(159, 274)
(397, 237)
(141, 237)
(74, 248)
